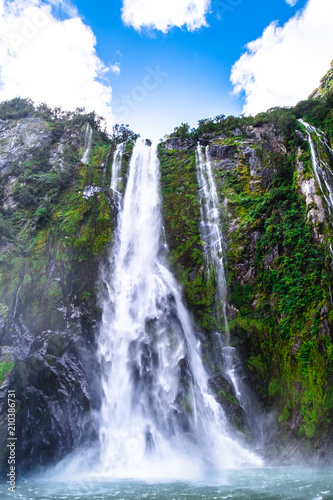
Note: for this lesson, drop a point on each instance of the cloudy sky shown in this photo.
(156, 63)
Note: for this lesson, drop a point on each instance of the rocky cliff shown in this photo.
(279, 263)
(56, 223)
(57, 220)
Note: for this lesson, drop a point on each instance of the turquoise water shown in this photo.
(246, 484)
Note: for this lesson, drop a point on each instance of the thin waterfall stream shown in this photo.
(213, 248)
(158, 416)
(115, 178)
(213, 244)
(323, 172)
(87, 143)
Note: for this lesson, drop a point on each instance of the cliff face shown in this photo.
(56, 223)
(277, 231)
(57, 220)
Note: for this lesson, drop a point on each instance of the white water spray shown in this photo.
(87, 144)
(158, 418)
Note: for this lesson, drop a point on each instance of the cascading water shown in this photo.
(210, 227)
(212, 237)
(87, 144)
(213, 250)
(158, 417)
(116, 167)
(322, 171)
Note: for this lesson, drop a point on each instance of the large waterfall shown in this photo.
(158, 416)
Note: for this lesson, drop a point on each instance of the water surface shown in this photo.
(248, 484)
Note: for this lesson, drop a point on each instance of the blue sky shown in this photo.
(198, 63)
(88, 54)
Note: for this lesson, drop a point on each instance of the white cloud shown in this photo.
(51, 60)
(115, 68)
(286, 63)
(291, 2)
(163, 15)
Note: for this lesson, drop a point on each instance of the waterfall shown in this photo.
(213, 250)
(116, 167)
(321, 169)
(210, 228)
(87, 144)
(212, 237)
(158, 417)
(323, 172)
(16, 299)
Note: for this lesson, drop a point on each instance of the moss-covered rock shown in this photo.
(278, 264)
(56, 232)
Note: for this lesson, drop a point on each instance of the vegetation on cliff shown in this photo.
(279, 265)
(182, 217)
(57, 219)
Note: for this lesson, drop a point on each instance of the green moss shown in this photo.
(328, 399)
(181, 213)
(279, 307)
(6, 368)
(229, 397)
(274, 387)
(257, 364)
(3, 310)
(242, 296)
(60, 234)
(285, 415)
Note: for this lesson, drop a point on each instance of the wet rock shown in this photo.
(296, 345)
(249, 276)
(225, 395)
(270, 257)
(267, 136)
(56, 156)
(52, 390)
(8, 201)
(232, 311)
(178, 143)
(221, 152)
(5, 247)
(58, 151)
(253, 241)
(20, 138)
(316, 212)
(226, 164)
